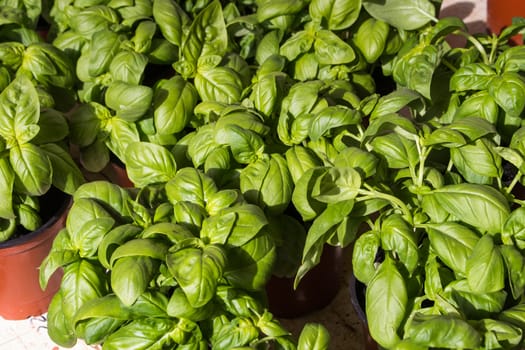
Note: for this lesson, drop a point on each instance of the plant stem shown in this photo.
(470, 38)
(514, 181)
(371, 193)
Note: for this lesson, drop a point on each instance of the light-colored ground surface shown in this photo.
(339, 317)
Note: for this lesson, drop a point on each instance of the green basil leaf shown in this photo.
(514, 315)
(337, 184)
(130, 276)
(478, 162)
(474, 76)
(393, 102)
(171, 19)
(19, 108)
(473, 127)
(147, 247)
(314, 336)
(173, 103)
(386, 303)
(331, 49)
(307, 206)
(250, 266)
(61, 254)
(7, 181)
(270, 9)
(207, 35)
(128, 67)
(371, 38)
(234, 334)
(82, 281)
(485, 267)
(443, 331)
(147, 163)
(402, 14)
(480, 104)
(337, 14)
(478, 205)
(330, 118)
(114, 239)
(245, 118)
(299, 160)
(122, 133)
(198, 270)
(143, 334)
(103, 47)
(508, 90)
(398, 236)
(398, 151)
(107, 194)
(364, 256)
(498, 333)
(267, 182)
(191, 185)
(32, 167)
(220, 84)
(53, 127)
(59, 328)
(67, 177)
(246, 145)
(415, 69)
(322, 227)
(129, 101)
(453, 243)
(85, 122)
(299, 43)
(515, 267)
(250, 221)
(510, 60)
(180, 307)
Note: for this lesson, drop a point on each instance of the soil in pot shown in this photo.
(20, 259)
(315, 291)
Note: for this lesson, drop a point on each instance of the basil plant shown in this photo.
(438, 247)
(34, 157)
(178, 264)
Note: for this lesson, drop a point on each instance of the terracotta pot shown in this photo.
(113, 172)
(116, 173)
(316, 290)
(357, 296)
(20, 259)
(500, 14)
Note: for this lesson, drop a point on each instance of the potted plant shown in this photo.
(38, 172)
(442, 257)
(174, 263)
(502, 14)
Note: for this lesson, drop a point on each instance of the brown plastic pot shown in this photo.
(20, 259)
(315, 291)
(500, 14)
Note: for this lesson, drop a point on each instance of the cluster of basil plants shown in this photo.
(282, 106)
(179, 265)
(442, 259)
(37, 88)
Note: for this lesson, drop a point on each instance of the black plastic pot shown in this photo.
(316, 290)
(357, 296)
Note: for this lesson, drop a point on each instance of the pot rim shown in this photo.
(31, 237)
(353, 285)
